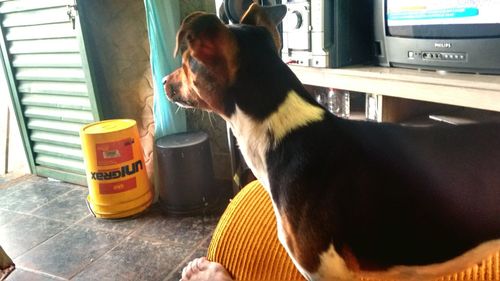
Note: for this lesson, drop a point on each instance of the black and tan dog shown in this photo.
(350, 197)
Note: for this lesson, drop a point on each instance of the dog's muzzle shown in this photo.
(173, 93)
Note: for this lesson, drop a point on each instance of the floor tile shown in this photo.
(69, 207)
(10, 186)
(135, 260)
(13, 179)
(176, 275)
(70, 251)
(46, 228)
(206, 243)
(24, 234)
(28, 195)
(5, 190)
(123, 226)
(23, 275)
(188, 231)
(9, 216)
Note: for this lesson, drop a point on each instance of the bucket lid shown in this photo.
(182, 140)
(108, 126)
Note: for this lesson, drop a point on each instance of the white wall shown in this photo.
(12, 154)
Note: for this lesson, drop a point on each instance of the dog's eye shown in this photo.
(194, 65)
(182, 48)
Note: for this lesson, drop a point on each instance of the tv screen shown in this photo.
(443, 18)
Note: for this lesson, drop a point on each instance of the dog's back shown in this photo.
(397, 195)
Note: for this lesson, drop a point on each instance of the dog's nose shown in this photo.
(169, 88)
(164, 80)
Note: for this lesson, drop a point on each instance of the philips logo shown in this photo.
(442, 45)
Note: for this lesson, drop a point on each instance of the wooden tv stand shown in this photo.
(398, 89)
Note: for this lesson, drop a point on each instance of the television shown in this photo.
(449, 35)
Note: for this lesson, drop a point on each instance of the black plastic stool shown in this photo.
(185, 171)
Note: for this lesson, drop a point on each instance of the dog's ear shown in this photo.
(198, 32)
(208, 40)
(180, 43)
(266, 16)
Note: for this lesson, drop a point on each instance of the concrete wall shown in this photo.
(121, 50)
(120, 44)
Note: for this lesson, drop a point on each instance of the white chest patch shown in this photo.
(253, 141)
(332, 267)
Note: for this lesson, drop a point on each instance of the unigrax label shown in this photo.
(123, 171)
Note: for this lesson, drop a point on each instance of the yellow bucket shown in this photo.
(116, 172)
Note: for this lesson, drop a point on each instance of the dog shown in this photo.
(351, 198)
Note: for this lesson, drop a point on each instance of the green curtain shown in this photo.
(163, 19)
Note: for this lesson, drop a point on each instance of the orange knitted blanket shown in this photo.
(246, 244)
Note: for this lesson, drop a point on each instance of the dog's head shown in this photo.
(211, 56)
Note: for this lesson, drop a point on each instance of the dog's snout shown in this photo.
(171, 88)
(168, 87)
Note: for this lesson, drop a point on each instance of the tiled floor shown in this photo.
(46, 229)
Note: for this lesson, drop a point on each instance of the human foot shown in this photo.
(201, 269)
(6, 271)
